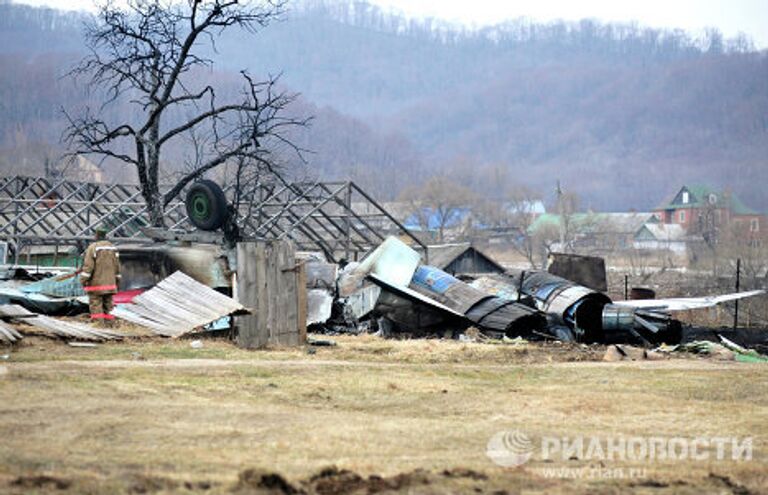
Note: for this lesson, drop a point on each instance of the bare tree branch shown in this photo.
(148, 51)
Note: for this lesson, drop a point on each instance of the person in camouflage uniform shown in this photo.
(100, 276)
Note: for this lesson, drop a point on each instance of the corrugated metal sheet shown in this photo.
(61, 328)
(72, 330)
(14, 311)
(177, 305)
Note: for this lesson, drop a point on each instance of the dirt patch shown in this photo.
(198, 486)
(334, 481)
(41, 481)
(653, 483)
(464, 473)
(265, 482)
(727, 482)
(150, 484)
(117, 484)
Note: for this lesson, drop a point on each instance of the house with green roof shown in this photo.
(703, 210)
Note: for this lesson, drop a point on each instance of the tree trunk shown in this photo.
(156, 210)
(154, 200)
(155, 204)
(147, 169)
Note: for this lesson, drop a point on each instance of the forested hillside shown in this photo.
(620, 113)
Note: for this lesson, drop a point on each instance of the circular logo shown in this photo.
(509, 448)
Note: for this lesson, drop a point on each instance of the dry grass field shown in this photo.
(157, 416)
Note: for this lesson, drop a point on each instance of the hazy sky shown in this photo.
(730, 16)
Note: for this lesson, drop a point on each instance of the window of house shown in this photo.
(682, 217)
(686, 197)
(754, 225)
(712, 199)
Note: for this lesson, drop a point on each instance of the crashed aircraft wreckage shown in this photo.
(529, 304)
(578, 313)
(494, 315)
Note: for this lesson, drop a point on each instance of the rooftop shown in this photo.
(443, 255)
(627, 223)
(663, 232)
(699, 197)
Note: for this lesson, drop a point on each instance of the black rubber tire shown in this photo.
(206, 205)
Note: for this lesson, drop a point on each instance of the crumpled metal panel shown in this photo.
(508, 317)
(445, 288)
(495, 287)
(433, 279)
(363, 301)
(487, 311)
(393, 262)
(560, 300)
(59, 286)
(319, 305)
(177, 305)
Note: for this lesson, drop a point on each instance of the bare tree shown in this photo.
(567, 205)
(539, 238)
(438, 200)
(523, 209)
(151, 53)
(515, 213)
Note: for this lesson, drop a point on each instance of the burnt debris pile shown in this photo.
(395, 291)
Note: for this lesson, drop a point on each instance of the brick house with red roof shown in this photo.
(710, 213)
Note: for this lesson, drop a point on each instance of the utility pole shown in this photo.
(626, 287)
(561, 213)
(736, 308)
